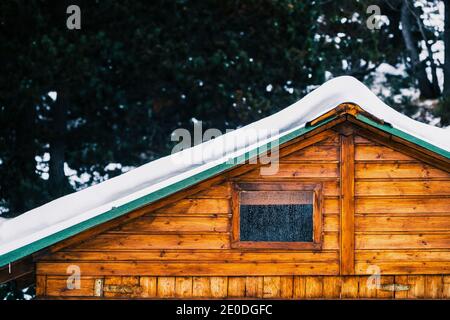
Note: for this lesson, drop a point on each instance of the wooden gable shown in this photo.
(395, 215)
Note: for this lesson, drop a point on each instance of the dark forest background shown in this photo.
(80, 106)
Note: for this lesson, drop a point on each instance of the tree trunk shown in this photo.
(447, 50)
(57, 180)
(419, 22)
(427, 90)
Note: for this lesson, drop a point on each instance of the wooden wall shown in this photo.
(268, 287)
(402, 225)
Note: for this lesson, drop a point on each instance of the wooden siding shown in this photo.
(401, 216)
(250, 287)
(194, 233)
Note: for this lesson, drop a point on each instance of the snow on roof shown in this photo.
(78, 207)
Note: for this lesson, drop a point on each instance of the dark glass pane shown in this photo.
(284, 223)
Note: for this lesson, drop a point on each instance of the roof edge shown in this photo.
(403, 135)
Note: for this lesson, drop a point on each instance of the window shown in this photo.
(283, 215)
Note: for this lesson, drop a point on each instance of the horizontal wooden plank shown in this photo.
(160, 223)
(362, 140)
(331, 206)
(397, 170)
(331, 222)
(412, 222)
(402, 241)
(121, 242)
(330, 187)
(191, 269)
(330, 241)
(406, 267)
(271, 287)
(399, 205)
(369, 152)
(297, 170)
(57, 286)
(254, 287)
(374, 256)
(315, 153)
(331, 140)
(156, 241)
(391, 188)
(217, 191)
(197, 255)
(275, 197)
(111, 282)
(210, 206)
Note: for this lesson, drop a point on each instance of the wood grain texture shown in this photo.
(298, 170)
(313, 287)
(209, 206)
(405, 223)
(57, 286)
(395, 204)
(201, 287)
(236, 287)
(267, 287)
(180, 247)
(403, 188)
(367, 151)
(403, 241)
(110, 242)
(347, 247)
(170, 223)
(199, 269)
(315, 153)
(349, 287)
(331, 287)
(405, 255)
(194, 255)
(398, 171)
(254, 287)
(183, 287)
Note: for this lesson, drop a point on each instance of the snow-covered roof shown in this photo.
(28, 232)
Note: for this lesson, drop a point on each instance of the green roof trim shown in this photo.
(403, 135)
(152, 197)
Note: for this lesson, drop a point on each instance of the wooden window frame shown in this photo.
(316, 188)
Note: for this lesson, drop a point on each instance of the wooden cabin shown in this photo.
(357, 209)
